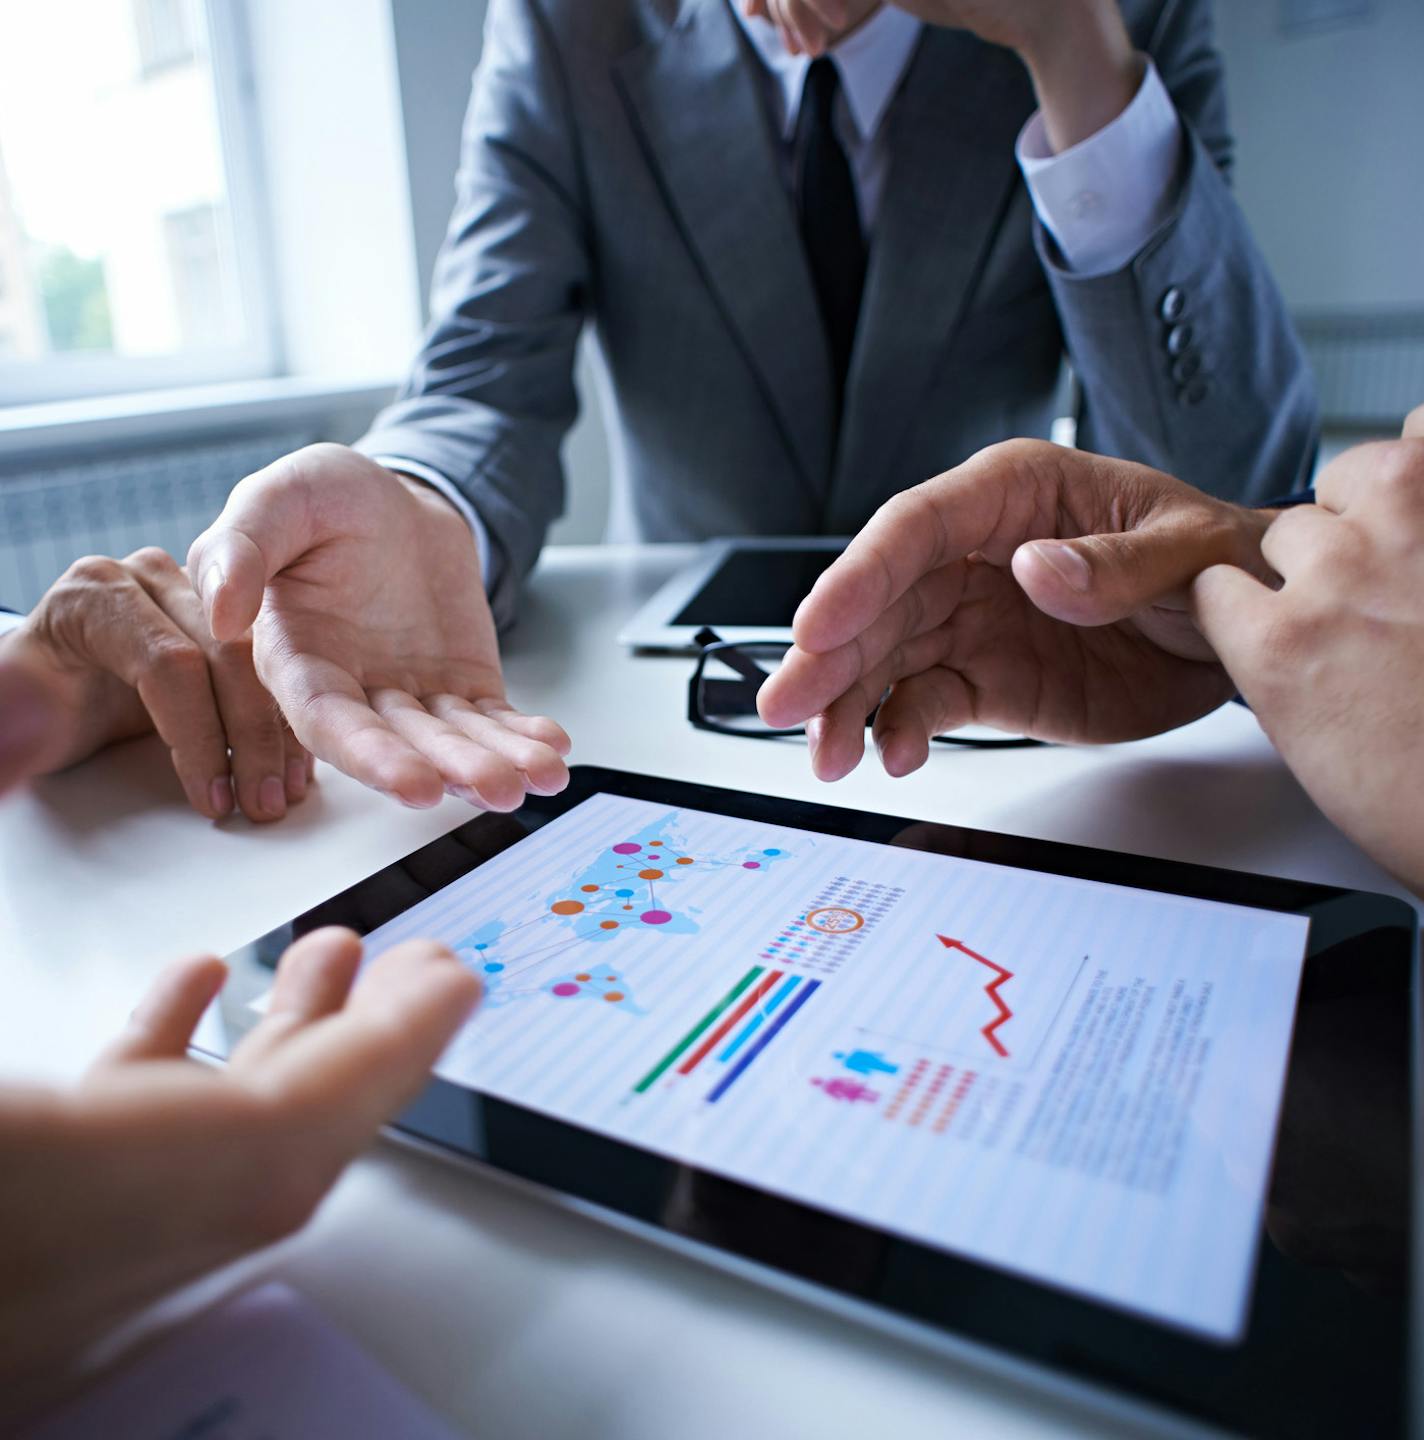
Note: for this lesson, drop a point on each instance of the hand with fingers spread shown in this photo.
(1078, 52)
(1036, 589)
(372, 630)
(1332, 662)
(120, 648)
(158, 1168)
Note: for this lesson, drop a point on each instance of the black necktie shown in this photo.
(829, 216)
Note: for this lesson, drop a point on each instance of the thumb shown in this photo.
(1414, 424)
(264, 527)
(1101, 579)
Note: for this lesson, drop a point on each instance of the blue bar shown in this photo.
(754, 1024)
(730, 1078)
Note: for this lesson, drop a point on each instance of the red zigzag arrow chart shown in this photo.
(991, 989)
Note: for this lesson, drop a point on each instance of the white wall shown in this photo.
(1330, 136)
(334, 163)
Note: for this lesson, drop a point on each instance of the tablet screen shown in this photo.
(756, 587)
(1075, 1082)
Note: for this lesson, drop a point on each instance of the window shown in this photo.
(165, 33)
(129, 242)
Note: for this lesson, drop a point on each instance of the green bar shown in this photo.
(671, 1057)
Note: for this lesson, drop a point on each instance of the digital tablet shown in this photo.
(1136, 1131)
(746, 589)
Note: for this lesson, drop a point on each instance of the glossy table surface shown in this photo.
(510, 1316)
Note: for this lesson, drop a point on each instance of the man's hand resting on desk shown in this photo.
(372, 630)
(1332, 662)
(120, 648)
(1036, 589)
(157, 1169)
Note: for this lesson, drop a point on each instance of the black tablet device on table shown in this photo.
(1132, 1129)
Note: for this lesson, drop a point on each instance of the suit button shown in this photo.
(1179, 339)
(1192, 395)
(1187, 368)
(1174, 304)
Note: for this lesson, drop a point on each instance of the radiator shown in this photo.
(52, 513)
(1369, 368)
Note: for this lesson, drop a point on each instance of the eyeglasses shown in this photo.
(721, 695)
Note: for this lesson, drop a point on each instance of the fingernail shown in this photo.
(1067, 564)
(272, 796)
(213, 578)
(463, 792)
(815, 732)
(220, 796)
(296, 779)
(401, 800)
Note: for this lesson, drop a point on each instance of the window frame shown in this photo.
(73, 376)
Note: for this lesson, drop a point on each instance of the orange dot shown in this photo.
(588, 889)
(627, 907)
(567, 907)
(650, 874)
(608, 925)
(684, 860)
(613, 996)
(610, 978)
(651, 843)
(583, 977)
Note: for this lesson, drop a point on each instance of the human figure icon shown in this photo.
(866, 1062)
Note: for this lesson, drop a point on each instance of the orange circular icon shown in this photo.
(835, 920)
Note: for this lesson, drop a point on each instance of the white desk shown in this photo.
(513, 1318)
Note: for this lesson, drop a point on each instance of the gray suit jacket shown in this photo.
(619, 168)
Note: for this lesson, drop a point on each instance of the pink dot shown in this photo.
(626, 848)
(566, 987)
(751, 864)
(655, 917)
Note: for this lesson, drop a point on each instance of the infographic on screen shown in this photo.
(1071, 1081)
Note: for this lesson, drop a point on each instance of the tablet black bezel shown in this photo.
(1311, 1340)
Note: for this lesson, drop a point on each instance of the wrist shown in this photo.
(1085, 70)
(444, 519)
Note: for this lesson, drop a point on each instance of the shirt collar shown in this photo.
(871, 63)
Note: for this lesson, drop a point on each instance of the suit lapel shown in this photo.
(952, 173)
(692, 96)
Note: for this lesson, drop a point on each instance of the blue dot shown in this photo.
(623, 894)
(482, 947)
(771, 852)
(493, 967)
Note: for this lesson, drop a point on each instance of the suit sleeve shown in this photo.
(491, 394)
(1186, 357)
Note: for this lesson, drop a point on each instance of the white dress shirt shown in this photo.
(1106, 197)
(1101, 201)
(870, 65)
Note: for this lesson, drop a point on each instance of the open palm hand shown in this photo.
(372, 630)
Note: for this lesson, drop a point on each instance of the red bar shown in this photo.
(757, 993)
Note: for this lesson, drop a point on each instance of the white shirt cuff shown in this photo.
(9, 621)
(1105, 198)
(483, 544)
